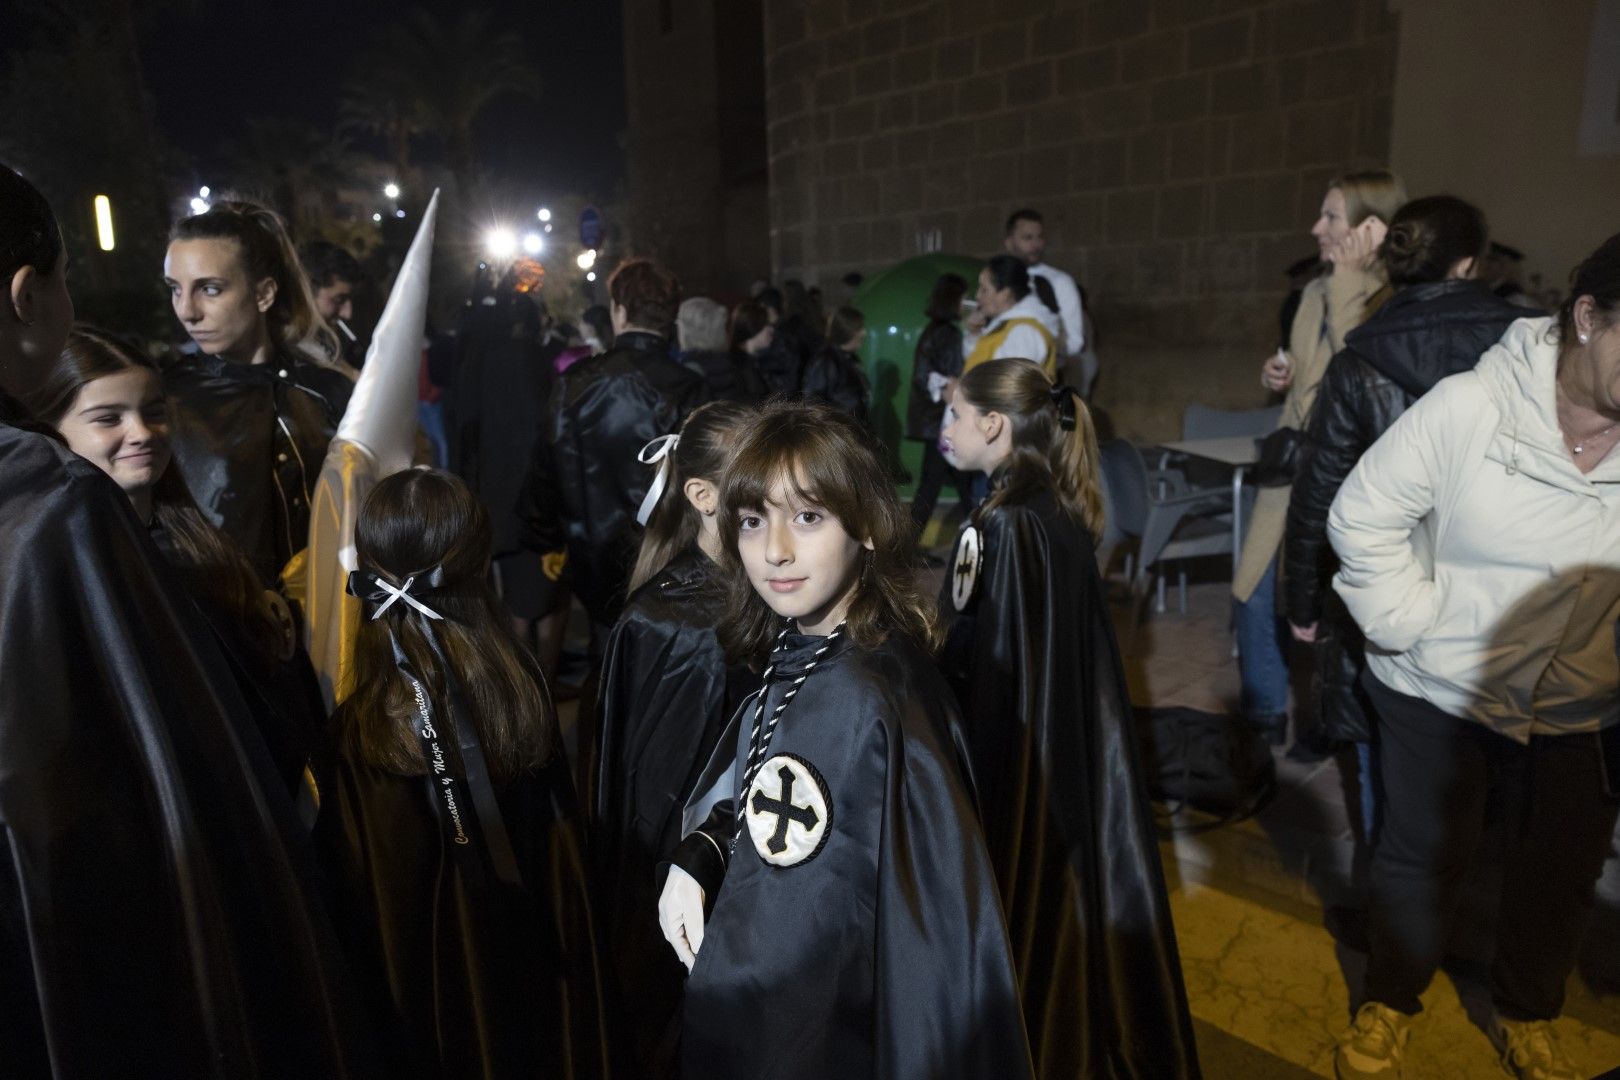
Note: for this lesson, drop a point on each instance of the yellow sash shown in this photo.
(992, 340)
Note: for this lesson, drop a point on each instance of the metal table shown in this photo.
(1238, 451)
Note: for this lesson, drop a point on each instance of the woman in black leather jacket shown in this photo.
(1437, 323)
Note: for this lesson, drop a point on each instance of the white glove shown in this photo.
(680, 915)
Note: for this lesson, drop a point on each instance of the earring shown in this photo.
(1582, 336)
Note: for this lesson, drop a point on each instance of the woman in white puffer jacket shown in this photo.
(1479, 542)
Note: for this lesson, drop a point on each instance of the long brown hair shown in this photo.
(412, 522)
(1044, 453)
(832, 462)
(268, 252)
(707, 440)
(211, 566)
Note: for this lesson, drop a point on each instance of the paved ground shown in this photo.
(1254, 902)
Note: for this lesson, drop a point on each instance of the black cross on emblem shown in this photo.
(784, 810)
(964, 567)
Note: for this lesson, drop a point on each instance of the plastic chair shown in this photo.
(1165, 519)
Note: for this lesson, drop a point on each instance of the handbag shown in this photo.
(1279, 458)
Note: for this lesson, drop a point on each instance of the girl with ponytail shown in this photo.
(666, 695)
(258, 401)
(452, 839)
(1030, 651)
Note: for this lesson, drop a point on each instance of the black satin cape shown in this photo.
(252, 476)
(667, 696)
(468, 977)
(1065, 812)
(157, 912)
(885, 955)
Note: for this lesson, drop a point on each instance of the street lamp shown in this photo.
(501, 243)
(391, 190)
(104, 228)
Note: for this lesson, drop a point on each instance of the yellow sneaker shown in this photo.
(1530, 1050)
(1372, 1048)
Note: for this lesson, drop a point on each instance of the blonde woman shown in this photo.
(1353, 219)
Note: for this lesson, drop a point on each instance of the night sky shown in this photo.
(207, 71)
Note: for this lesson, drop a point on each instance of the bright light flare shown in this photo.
(501, 243)
(544, 215)
(199, 205)
(204, 191)
(591, 276)
(391, 190)
(104, 229)
(376, 217)
(587, 259)
(533, 244)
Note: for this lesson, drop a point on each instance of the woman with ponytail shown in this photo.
(1030, 651)
(667, 694)
(257, 403)
(453, 840)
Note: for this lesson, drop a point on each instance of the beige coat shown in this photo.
(1330, 307)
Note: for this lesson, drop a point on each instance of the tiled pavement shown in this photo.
(1251, 903)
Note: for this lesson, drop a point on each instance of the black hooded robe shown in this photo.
(880, 953)
(1066, 814)
(157, 912)
(667, 696)
(468, 977)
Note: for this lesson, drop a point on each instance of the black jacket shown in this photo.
(835, 376)
(250, 440)
(585, 482)
(939, 350)
(1422, 335)
(730, 376)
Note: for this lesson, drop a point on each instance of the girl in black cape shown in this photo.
(667, 694)
(106, 400)
(854, 930)
(453, 837)
(1031, 653)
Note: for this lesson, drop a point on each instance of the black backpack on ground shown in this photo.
(1215, 764)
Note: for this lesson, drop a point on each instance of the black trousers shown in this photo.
(936, 471)
(1439, 774)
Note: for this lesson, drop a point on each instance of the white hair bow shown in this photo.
(659, 452)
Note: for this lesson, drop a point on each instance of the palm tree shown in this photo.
(381, 98)
(436, 77)
(295, 165)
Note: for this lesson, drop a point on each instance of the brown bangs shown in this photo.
(832, 463)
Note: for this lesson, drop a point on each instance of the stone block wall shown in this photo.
(1179, 150)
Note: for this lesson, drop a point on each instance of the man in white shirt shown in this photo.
(1026, 239)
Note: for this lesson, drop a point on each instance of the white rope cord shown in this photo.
(759, 741)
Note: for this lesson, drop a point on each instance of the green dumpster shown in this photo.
(893, 302)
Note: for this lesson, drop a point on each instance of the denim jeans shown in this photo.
(1262, 641)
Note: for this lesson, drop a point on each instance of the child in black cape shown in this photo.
(453, 836)
(667, 694)
(854, 931)
(1031, 653)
